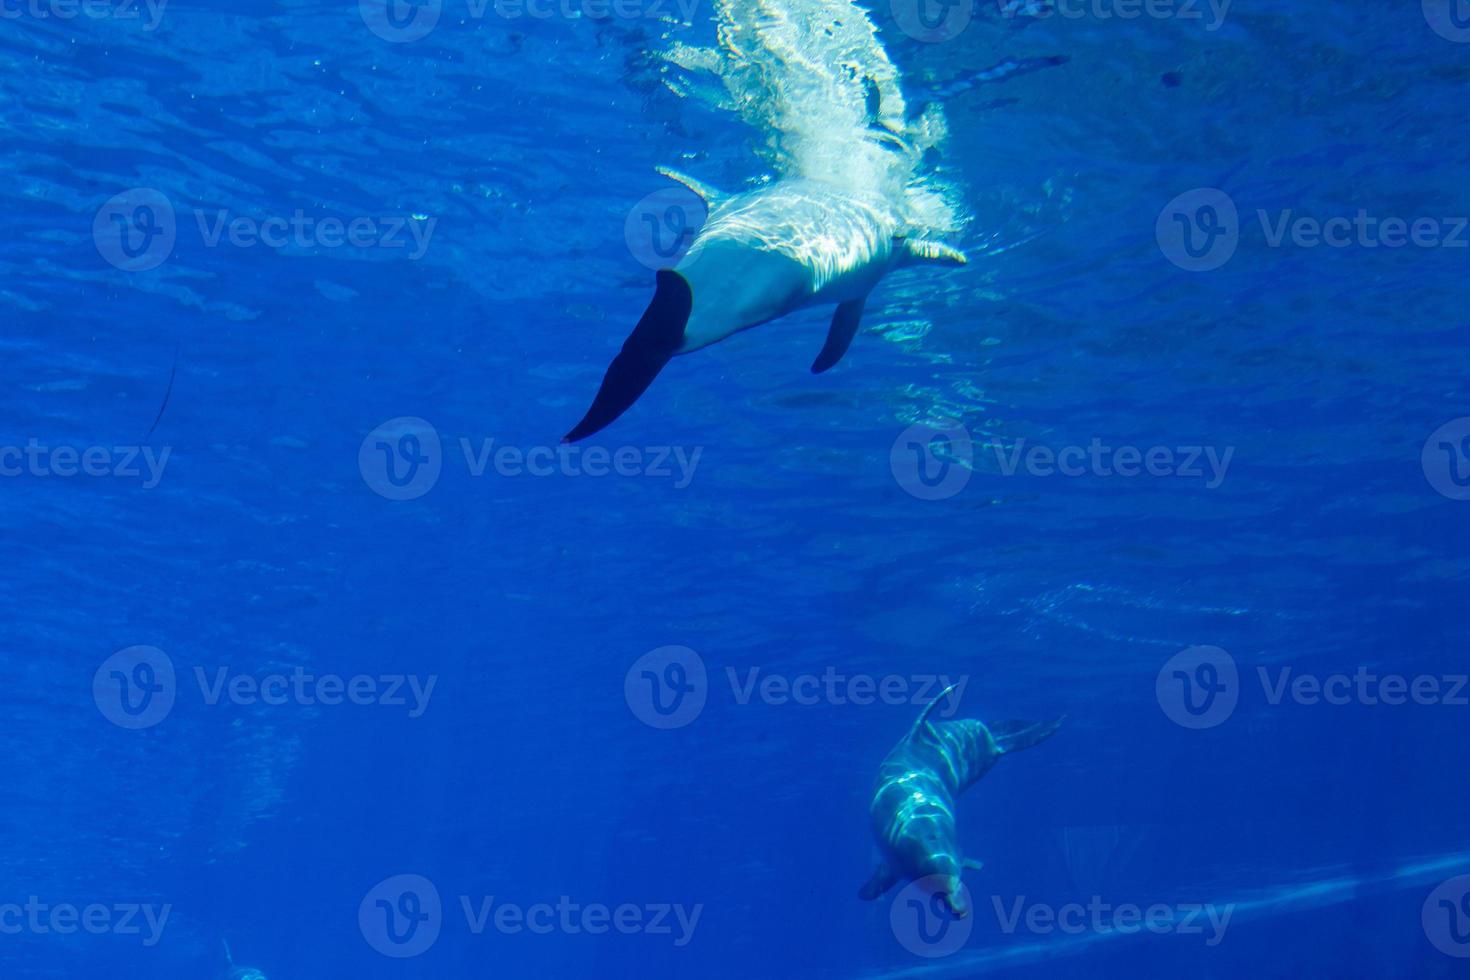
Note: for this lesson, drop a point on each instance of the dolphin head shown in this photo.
(917, 825)
(942, 877)
(955, 898)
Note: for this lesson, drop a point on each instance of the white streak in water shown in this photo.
(1279, 900)
(814, 81)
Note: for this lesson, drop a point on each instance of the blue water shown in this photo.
(267, 545)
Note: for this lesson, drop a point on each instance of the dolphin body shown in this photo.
(761, 255)
(239, 972)
(914, 800)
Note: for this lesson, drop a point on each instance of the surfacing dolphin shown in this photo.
(762, 255)
(914, 801)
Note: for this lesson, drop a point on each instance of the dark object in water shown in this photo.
(167, 392)
(1172, 79)
(651, 346)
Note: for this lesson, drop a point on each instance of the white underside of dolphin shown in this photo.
(760, 256)
(857, 189)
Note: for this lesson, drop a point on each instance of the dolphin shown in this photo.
(761, 255)
(239, 972)
(914, 800)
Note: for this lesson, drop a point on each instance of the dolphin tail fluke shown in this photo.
(883, 879)
(839, 337)
(645, 352)
(1013, 736)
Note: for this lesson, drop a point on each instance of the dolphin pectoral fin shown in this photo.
(839, 336)
(706, 193)
(883, 879)
(970, 864)
(645, 352)
(923, 251)
(1012, 736)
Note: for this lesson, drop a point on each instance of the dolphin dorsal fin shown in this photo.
(707, 193)
(917, 251)
(923, 721)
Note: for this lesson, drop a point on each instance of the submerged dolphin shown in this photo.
(914, 800)
(239, 972)
(761, 255)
